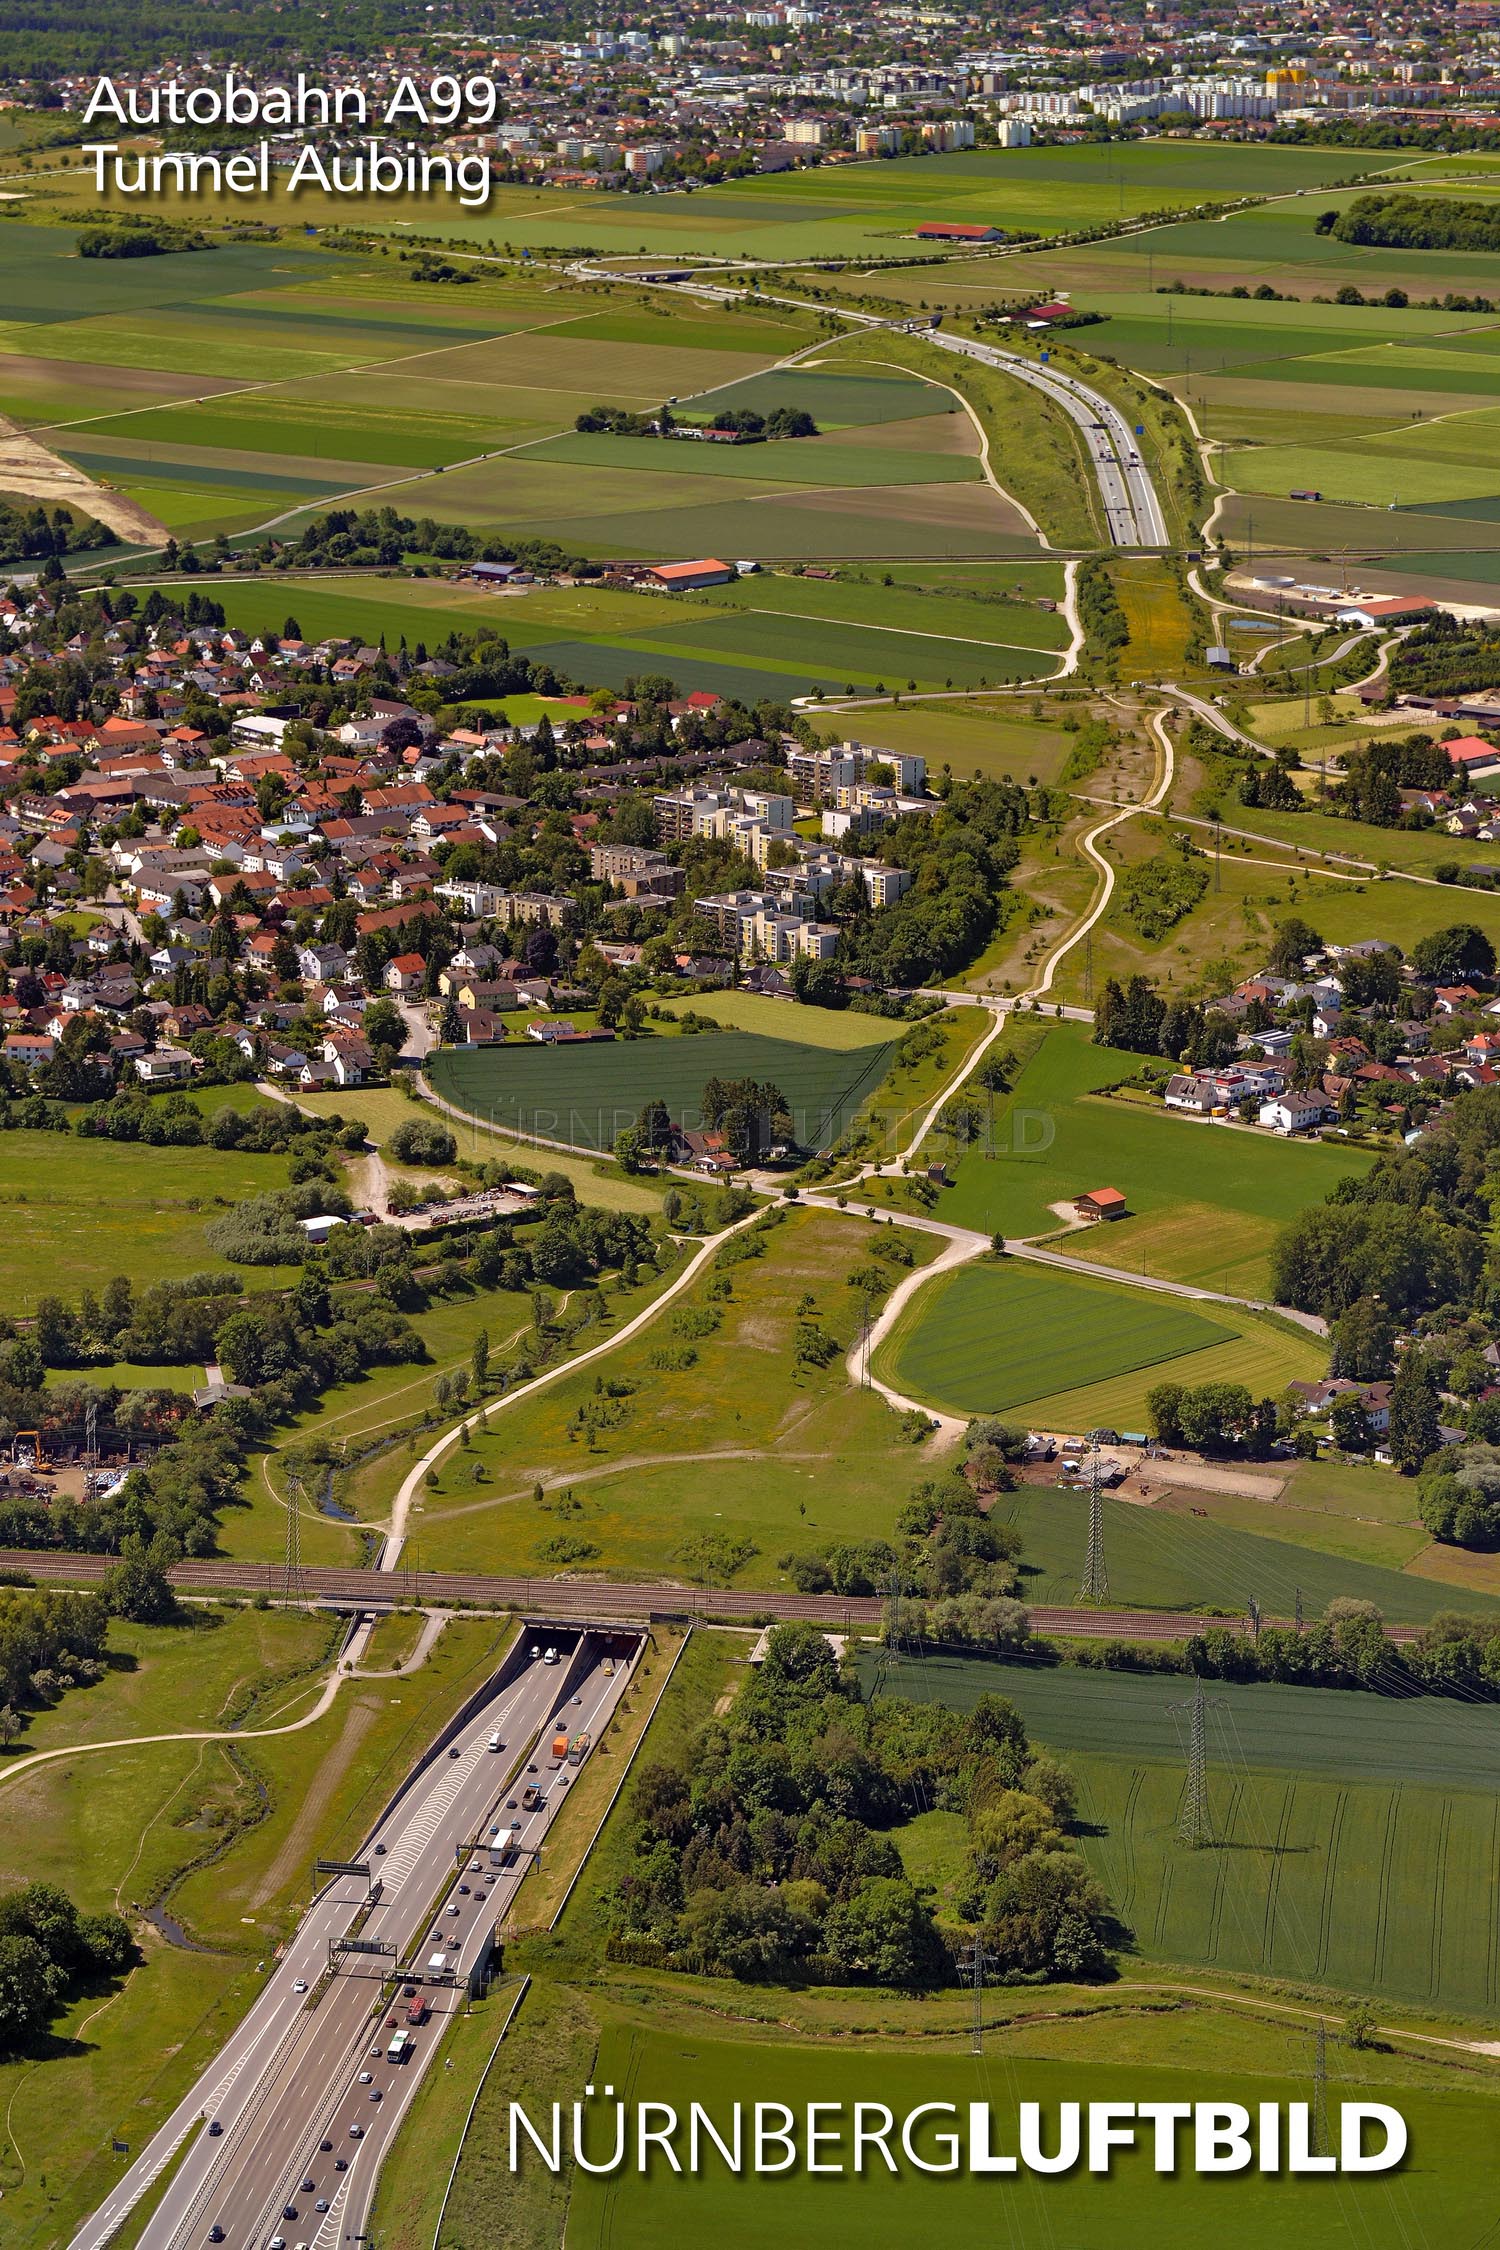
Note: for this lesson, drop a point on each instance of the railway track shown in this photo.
(600, 1599)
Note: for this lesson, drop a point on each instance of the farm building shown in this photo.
(686, 577)
(1100, 1203)
(934, 230)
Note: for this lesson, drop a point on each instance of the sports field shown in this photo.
(1070, 1353)
(1354, 1836)
(584, 1096)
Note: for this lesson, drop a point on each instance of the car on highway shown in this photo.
(290, 2211)
(326, 2147)
(364, 2077)
(321, 2204)
(300, 1985)
(277, 2242)
(380, 1851)
(454, 1907)
(309, 2187)
(454, 1751)
(463, 1890)
(216, 2232)
(341, 2163)
(550, 1657)
(376, 2094)
(356, 2132)
(214, 2129)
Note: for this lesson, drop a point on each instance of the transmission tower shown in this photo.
(1318, 2121)
(972, 1964)
(293, 1584)
(1194, 1825)
(1095, 1587)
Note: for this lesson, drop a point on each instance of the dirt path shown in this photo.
(296, 1846)
(28, 467)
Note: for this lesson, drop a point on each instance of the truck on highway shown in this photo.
(560, 1744)
(495, 1742)
(399, 2048)
(417, 2011)
(438, 1971)
(531, 1797)
(578, 1749)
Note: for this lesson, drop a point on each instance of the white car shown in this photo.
(300, 1985)
(365, 2078)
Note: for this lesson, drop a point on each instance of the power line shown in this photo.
(1195, 1824)
(1095, 1586)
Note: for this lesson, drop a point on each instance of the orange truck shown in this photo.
(560, 1745)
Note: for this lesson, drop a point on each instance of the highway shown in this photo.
(1132, 511)
(594, 1599)
(282, 2137)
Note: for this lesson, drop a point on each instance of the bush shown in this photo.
(422, 1140)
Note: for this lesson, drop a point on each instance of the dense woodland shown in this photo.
(1415, 222)
(768, 1851)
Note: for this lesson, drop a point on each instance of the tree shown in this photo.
(29, 1989)
(1452, 955)
(1364, 1341)
(1414, 1412)
(1293, 942)
(138, 1586)
(479, 1360)
(422, 1140)
(884, 1932)
(1349, 1422)
(630, 1148)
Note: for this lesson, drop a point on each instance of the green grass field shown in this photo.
(86, 1209)
(1069, 1354)
(1355, 1836)
(990, 1338)
(1205, 1203)
(585, 1097)
(1167, 1558)
(716, 1430)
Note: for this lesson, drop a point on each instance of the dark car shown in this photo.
(216, 2232)
(454, 1750)
(309, 2187)
(380, 1851)
(326, 2147)
(289, 2211)
(410, 1991)
(215, 2129)
(463, 1890)
(341, 2164)
(375, 2094)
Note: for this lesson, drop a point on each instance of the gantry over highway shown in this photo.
(285, 2132)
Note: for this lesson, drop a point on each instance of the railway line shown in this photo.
(589, 1599)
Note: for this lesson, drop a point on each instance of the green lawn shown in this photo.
(1206, 1203)
(990, 1338)
(584, 1097)
(840, 1030)
(85, 1209)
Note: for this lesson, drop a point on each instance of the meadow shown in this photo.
(1354, 1836)
(584, 1097)
(85, 1209)
(855, 211)
(714, 1448)
(1205, 1202)
(1065, 1353)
